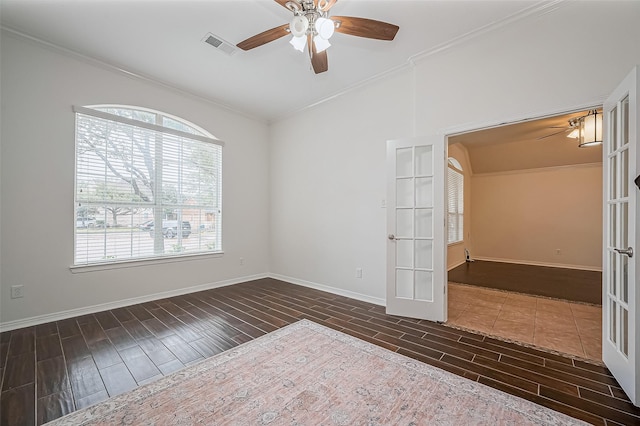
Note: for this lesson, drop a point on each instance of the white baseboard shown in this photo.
(334, 290)
(29, 322)
(456, 265)
(57, 316)
(534, 263)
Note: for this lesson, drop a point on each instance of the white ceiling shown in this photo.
(162, 40)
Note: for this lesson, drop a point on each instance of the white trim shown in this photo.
(329, 289)
(523, 118)
(534, 263)
(539, 169)
(456, 265)
(137, 123)
(57, 316)
(133, 263)
(71, 313)
(101, 63)
(537, 9)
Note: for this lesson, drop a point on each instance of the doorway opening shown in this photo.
(528, 266)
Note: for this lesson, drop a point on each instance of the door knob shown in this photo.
(392, 237)
(627, 252)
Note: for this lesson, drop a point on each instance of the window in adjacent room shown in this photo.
(455, 208)
(147, 185)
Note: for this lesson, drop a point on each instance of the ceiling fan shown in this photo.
(312, 27)
(587, 128)
(573, 126)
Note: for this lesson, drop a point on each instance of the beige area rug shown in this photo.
(307, 374)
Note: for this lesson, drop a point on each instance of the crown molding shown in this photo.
(101, 63)
(539, 170)
(540, 8)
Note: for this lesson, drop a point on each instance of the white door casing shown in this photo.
(416, 245)
(621, 233)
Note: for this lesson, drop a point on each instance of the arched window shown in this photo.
(147, 185)
(455, 208)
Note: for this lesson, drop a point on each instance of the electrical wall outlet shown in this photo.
(242, 261)
(17, 291)
(358, 272)
(558, 251)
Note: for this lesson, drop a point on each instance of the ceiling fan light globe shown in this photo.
(321, 44)
(299, 43)
(299, 25)
(325, 28)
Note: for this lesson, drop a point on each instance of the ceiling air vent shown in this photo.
(219, 44)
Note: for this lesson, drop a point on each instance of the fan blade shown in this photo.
(319, 60)
(264, 37)
(552, 134)
(283, 3)
(363, 27)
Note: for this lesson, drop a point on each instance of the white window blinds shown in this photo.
(455, 208)
(135, 170)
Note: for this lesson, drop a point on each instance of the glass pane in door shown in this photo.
(424, 285)
(404, 253)
(424, 160)
(404, 193)
(404, 283)
(424, 254)
(625, 121)
(613, 132)
(624, 222)
(624, 164)
(624, 331)
(424, 192)
(424, 223)
(612, 225)
(404, 162)
(624, 284)
(613, 326)
(613, 271)
(404, 223)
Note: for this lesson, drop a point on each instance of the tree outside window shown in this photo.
(147, 185)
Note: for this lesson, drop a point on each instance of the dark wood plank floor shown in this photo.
(56, 368)
(559, 283)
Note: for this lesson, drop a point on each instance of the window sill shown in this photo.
(134, 263)
(455, 244)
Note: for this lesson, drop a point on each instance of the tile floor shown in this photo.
(571, 328)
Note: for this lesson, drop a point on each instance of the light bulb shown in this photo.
(299, 25)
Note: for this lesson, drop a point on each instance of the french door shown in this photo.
(416, 272)
(620, 289)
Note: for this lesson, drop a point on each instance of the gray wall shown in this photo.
(39, 88)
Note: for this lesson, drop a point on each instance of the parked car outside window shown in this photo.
(169, 228)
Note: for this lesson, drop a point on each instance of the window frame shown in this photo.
(192, 133)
